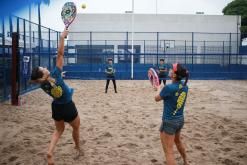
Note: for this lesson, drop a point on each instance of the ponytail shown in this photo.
(186, 77)
(181, 73)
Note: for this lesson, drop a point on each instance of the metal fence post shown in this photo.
(106, 53)
(91, 51)
(204, 54)
(57, 39)
(39, 48)
(4, 62)
(126, 50)
(49, 48)
(18, 57)
(30, 45)
(144, 44)
(127, 43)
(237, 48)
(230, 51)
(66, 55)
(10, 25)
(24, 52)
(185, 49)
(157, 58)
(223, 56)
(192, 60)
(15, 75)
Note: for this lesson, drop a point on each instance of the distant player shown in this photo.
(110, 75)
(174, 97)
(63, 108)
(162, 71)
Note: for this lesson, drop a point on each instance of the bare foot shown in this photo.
(78, 153)
(50, 159)
(186, 163)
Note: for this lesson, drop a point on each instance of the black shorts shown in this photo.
(110, 77)
(162, 76)
(66, 112)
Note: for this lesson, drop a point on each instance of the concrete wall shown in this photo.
(172, 30)
(155, 23)
(184, 24)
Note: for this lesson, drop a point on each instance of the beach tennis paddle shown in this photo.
(68, 13)
(153, 77)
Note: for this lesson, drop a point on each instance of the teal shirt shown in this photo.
(163, 67)
(174, 96)
(60, 92)
(110, 71)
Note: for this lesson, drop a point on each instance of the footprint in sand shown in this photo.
(239, 138)
(152, 125)
(224, 133)
(197, 135)
(83, 142)
(123, 135)
(229, 162)
(40, 154)
(220, 127)
(129, 121)
(154, 160)
(213, 126)
(227, 149)
(13, 158)
(226, 120)
(107, 134)
(199, 148)
(242, 156)
(141, 136)
(189, 131)
(129, 145)
(156, 139)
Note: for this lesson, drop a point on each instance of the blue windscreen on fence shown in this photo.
(34, 50)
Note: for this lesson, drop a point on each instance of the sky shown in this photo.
(50, 15)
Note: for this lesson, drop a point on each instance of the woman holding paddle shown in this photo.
(174, 97)
(63, 108)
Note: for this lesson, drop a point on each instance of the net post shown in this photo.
(15, 76)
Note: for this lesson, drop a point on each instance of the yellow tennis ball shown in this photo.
(83, 6)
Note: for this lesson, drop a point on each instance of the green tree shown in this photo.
(238, 7)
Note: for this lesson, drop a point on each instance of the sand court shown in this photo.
(122, 128)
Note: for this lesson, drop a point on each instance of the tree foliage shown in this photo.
(238, 7)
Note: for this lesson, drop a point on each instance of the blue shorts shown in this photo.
(171, 127)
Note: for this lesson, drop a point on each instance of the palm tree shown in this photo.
(39, 15)
(38, 2)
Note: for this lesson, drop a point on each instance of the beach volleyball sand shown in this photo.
(122, 128)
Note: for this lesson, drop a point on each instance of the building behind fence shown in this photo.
(207, 55)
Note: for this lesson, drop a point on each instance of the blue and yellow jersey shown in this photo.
(58, 90)
(110, 71)
(174, 96)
